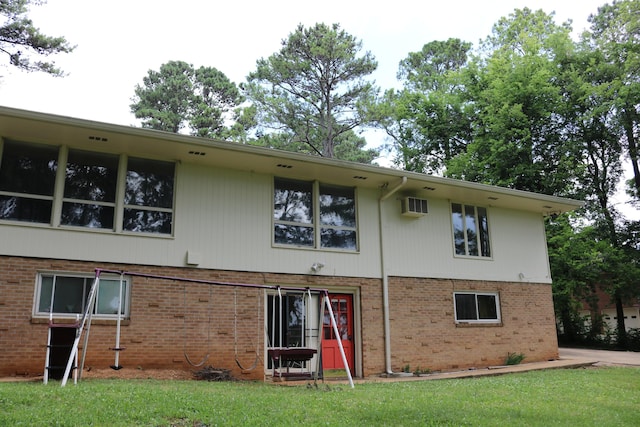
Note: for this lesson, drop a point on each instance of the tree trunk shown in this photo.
(632, 146)
(622, 330)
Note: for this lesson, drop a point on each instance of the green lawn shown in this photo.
(578, 397)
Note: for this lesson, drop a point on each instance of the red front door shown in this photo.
(342, 306)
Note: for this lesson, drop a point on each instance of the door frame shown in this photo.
(357, 326)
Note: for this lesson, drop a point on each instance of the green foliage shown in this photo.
(421, 371)
(429, 120)
(20, 40)
(520, 140)
(529, 399)
(514, 358)
(309, 93)
(178, 96)
(583, 259)
(349, 146)
(614, 33)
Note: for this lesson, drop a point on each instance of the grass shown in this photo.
(580, 397)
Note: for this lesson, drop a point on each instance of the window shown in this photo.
(90, 190)
(100, 191)
(293, 213)
(470, 230)
(477, 307)
(149, 196)
(27, 180)
(67, 295)
(337, 217)
(314, 215)
(292, 321)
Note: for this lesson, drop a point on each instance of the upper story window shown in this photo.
(470, 230)
(96, 190)
(475, 307)
(90, 190)
(311, 214)
(148, 196)
(62, 295)
(27, 181)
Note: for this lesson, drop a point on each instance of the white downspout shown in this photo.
(385, 279)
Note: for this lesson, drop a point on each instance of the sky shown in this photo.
(119, 41)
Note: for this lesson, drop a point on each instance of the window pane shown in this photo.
(295, 321)
(472, 230)
(69, 295)
(25, 209)
(147, 221)
(46, 286)
(91, 176)
(109, 296)
(292, 201)
(466, 307)
(487, 307)
(86, 215)
(458, 228)
(28, 168)
(149, 183)
(342, 239)
(293, 235)
(337, 206)
(484, 232)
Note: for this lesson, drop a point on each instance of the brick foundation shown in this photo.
(160, 331)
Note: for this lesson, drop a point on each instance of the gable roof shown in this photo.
(30, 126)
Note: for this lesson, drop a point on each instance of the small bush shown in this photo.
(633, 339)
(419, 371)
(514, 358)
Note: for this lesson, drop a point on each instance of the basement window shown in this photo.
(66, 296)
(476, 307)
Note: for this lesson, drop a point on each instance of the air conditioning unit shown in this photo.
(414, 207)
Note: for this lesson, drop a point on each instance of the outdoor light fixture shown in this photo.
(316, 267)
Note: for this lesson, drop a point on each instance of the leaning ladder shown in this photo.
(86, 321)
(47, 364)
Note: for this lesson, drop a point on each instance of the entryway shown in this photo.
(342, 306)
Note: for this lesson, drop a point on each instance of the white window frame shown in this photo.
(477, 320)
(481, 253)
(57, 199)
(316, 224)
(88, 282)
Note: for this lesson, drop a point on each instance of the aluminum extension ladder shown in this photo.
(47, 363)
(80, 325)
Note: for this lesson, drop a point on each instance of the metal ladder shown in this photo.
(47, 366)
(80, 325)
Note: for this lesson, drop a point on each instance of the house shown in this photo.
(606, 307)
(422, 271)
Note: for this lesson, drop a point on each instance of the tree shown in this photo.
(429, 121)
(20, 40)
(350, 146)
(615, 31)
(609, 99)
(178, 97)
(312, 88)
(519, 137)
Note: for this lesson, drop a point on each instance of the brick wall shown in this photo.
(425, 335)
(169, 318)
(160, 330)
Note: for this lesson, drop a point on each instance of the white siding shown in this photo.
(223, 217)
(423, 247)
